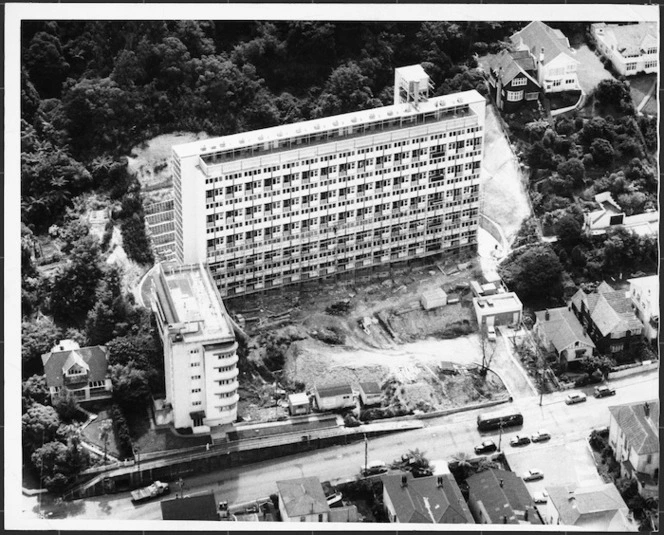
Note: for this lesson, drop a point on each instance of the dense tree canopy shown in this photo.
(534, 272)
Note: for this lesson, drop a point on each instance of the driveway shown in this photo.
(590, 70)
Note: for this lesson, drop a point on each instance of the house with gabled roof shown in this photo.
(500, 497)
(631, 48)
(634, 438)
(608, 317)
(425, 500)
(512, 77)
(553, 56)
(338, 396)
(592, 508)
(81, 371)
(302, 500)
(370, 393)
(559, 330)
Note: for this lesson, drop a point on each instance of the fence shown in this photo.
(631, 369)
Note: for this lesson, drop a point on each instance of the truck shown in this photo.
(152, 491)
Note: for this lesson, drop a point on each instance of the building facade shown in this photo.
(200, 357)
(644, 293)
(329, 398)
(559, 330)
(328, 196)
(631, 48)
(512, 80)
(503, 308)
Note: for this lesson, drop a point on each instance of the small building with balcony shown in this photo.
(81, 371)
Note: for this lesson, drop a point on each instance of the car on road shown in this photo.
(533, 475)
(541, 497)
(519, 440)
(488, 446)
(604, 391)
(575, 397)
(491, 333)
(541, 436)
(374, 468)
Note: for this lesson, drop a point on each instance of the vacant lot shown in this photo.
(590, 70)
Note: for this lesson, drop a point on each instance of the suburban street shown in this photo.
(442, 438)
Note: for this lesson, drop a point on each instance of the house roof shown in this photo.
(511, 500)
(630, 39)
(424, 501)
(370, 387)
(512, 64)
(299, 398)
(93, 358)
(537, 36)
(202, 507)
(610, 310)
(562, 328)
(641, 430)
(302, 496)
(334, 390)
(591, 507)
(605, 200)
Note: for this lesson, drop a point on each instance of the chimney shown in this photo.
(404, 481)
(440, 482)
(646, 409)
(547, 315)
(525, 516)
(541, 58)
(504, 519)
(501, 483)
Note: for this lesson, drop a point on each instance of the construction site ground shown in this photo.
(419, 357)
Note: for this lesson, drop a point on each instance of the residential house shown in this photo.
(553, 56)
(631, 48)
(634, 437)
(329, 398)
(610, 214)
(81, 371)
(298, 404)
(559, 330)
(203, 507)
(608, 318)
(591, 508)
(644, 293)
(500, 309)
(500, 497)
(426, 500)
(512, 77)
(370, 393)
(302, 500)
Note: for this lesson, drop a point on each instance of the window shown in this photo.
(196, 403)
(569, 81)
(198, 422)
(195, 377)
(651, 64)
(195, 390)
(320, 518)
(631, 66)
(649, 459)
(615, 348)
(519, 81)
(557, 83)
(514, 96)
(532, 96)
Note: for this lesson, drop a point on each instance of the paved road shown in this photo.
(441, 439)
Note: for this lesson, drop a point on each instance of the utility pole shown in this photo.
(366, 453)
(500, 436)
(137, 457)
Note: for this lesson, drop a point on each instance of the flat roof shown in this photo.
(495, 304)
(318, 126)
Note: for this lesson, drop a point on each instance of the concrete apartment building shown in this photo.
(200, 358)
(328, 196)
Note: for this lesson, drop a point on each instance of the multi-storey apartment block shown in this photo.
(307, 200)
(200, 358)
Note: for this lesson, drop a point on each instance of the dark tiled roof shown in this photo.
(538, 35)
(94, 356)
(191, 508)
(640, 430)
(423, 501)
(562, 328)
(303, 496)
(610, 310)
(512, 64)
(511, 500)
(371, 387)
(334, 390)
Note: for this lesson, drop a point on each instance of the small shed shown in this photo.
(370, 393)
(489, 288)
(476, 288)
(433, 299)
(298, 404)
(339, 396)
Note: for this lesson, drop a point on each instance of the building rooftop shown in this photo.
(302, 497)
(300, 398)
(334, 390)
(412, 72)
(316, 127)
(610, 310)
(639, 422)
(537, 36)
(202, 507)
(498, 303)
(630, 39)
(427, 500)
(596, 507)
(370, 387)
(505, 497)
(562, 328)
(189, 297)
(508, 64)
(56, 363)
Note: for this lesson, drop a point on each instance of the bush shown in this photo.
(121, 430)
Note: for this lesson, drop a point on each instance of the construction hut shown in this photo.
(433, 299)
(370, 393)
(298, 404)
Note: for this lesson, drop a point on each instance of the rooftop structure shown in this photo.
(202, 507)
(639, 422)
(562, 329)
(302, 500)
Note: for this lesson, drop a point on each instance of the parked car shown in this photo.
(541, 497)
(334, 500)
(373, 468)
(491, 333)
(519, 440)
(604, 391)
(541, 436)
(488, 446)
(533, 475)
(152, 491)
(575, 397)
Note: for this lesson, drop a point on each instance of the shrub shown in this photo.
(121, 430)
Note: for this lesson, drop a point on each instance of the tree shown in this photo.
(568, 231)
(50, 460)
(346, 90)
(488, 350)
(572, 168)
(463, 464)
(110, 308)
(130, 385)
(105, 430)
(533, 273)
(602, 152)
(40, 424)
(34, 390)
(614, 93)
(38, 336)
(45, 62)
(66, 406)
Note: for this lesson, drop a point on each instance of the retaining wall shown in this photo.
(643, 367)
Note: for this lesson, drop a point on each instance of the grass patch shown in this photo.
(151, 440)
(91, 434)
(563, 99)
